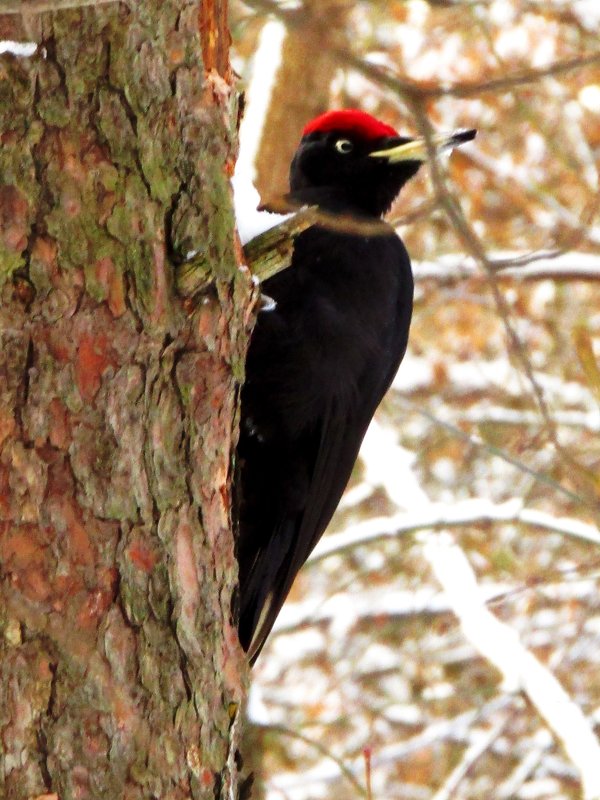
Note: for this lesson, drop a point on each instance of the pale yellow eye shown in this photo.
(344, 146)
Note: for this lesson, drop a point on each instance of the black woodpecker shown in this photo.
(321, 360)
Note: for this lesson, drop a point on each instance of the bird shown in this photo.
(323, 353)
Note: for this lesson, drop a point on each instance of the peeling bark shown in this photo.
(120, 668)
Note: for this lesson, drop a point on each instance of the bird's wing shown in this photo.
(334, 444)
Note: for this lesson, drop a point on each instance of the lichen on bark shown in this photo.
(119, 659)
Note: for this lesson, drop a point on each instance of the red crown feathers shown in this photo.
(350, 120)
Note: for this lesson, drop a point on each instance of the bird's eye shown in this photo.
(344, 146)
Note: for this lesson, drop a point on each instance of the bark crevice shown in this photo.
(118, 658)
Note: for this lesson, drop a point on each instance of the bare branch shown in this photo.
(271, 251)
(509, 788)
(441, 515)
(521, 670)
(320, 748)
(474, 246)
(516, 79)
(482, 741)
(498, 415)
(505, 456)
(455, 729)
(409, 88)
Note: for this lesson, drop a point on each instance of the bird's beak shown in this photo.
(416, 149)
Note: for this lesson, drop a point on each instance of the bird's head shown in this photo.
(351, 162)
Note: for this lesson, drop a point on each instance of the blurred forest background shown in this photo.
(446, 633)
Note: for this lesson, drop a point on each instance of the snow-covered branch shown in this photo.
(521, 670)
(442, 515)
(566, 266)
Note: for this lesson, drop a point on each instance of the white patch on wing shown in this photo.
(267, 303)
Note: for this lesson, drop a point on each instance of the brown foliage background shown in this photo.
(493, 422)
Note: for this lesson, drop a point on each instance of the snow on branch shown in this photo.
(521, 670)
(483, 414)
(482, 740)
(392, 603)
(442, 515)
(458, 728)
(22, 49)
(566, 266)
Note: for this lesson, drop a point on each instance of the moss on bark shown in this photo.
(119, 660)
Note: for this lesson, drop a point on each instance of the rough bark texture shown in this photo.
(120, 668)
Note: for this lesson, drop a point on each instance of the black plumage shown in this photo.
(320, 362)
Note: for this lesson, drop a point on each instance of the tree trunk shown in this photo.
(302, 89)
(120, 670)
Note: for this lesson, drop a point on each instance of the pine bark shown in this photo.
(120, 668)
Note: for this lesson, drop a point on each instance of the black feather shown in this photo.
(321, 360)
(317, 369)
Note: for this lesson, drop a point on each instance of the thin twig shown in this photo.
(479, 443)
(516, 79)
(509, 788)
(482, 742)
(416, 89)
(476, 249)
(471, 241)
(320, 748)
(455, 729)
(408, 88)
(521, 669)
